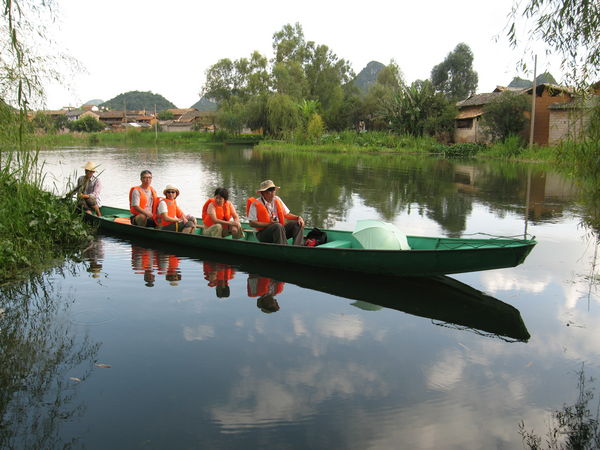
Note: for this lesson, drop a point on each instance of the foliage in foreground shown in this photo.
(39, 226)
(572, 427)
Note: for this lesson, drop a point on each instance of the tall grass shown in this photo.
(36, 227)
(122, 138)
(351, 141)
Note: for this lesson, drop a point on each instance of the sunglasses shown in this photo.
(271, 189)
(171, 192)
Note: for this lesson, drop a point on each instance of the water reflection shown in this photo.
(446, 301)
(43, 361)
(218, 276)
(265, 289)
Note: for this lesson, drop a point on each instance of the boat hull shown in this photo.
(443, 257)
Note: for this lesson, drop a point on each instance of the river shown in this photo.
(138, 345)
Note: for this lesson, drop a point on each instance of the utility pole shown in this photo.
(155, 125)
(533, 94)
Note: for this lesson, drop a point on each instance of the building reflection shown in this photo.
(218, 276)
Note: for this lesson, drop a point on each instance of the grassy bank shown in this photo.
(120, 138)
(36, 228)
(350, 141)
(382, 142)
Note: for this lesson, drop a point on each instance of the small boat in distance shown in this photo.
(428, 256)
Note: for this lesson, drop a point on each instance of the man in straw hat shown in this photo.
(268, 214)
(169, 216)
(88, 189)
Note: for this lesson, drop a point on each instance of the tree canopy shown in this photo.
(569, 28)
(505, 116)
(455, 77)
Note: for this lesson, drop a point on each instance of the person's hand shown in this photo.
(301, 221)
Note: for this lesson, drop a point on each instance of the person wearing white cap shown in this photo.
(169, 216)
(273, 219)
(88, 189)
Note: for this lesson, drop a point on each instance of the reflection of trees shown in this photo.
(572, 427)
(37, 351)
(323, 186)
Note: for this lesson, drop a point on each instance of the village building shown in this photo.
(189, 119)
(568, 121)
(468, 126)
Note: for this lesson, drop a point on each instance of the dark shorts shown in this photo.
(149, 222)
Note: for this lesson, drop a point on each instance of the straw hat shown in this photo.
(170, 187)
(267, 184)
(91, 166)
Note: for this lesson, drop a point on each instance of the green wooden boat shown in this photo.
(428, 255)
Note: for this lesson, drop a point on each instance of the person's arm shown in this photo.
(253, 218)
(234, 215)
(163, 213)
(288, 215)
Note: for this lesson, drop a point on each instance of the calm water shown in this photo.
(144, 346)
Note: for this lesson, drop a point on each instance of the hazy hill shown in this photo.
(94, 102)
(521, 83)
(205, 104)
(138, 100)
(368, 76)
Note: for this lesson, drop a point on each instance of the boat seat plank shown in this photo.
(337, 244)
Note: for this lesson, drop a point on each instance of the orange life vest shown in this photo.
(172, 211)
(262, 213)
(141, 259)
(143, 199)
(222, 212)
(217, 274)
(261, 286)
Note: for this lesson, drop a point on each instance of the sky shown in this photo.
(166, 47)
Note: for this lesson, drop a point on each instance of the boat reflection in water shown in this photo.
(146, 261)
(446, 301)
(218, 276)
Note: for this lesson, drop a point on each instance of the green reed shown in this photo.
(36, 227)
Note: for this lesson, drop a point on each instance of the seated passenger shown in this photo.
(268, 215)
(169, 216)
(220, 217)
(142, 201)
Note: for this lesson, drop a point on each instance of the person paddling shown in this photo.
(88, 189)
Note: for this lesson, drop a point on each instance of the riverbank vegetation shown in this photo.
(37, 227)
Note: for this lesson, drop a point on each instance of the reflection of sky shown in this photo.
(320, 372)
(234, 372)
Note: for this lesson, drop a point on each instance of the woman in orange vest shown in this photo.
(169, 216)
(220, 217)
(268, 214)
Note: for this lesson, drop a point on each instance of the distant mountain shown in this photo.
(520, 83)
(94, 102)
(205, 104)
(368, 76)
(137, 100)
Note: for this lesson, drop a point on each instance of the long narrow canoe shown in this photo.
(428, 255)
